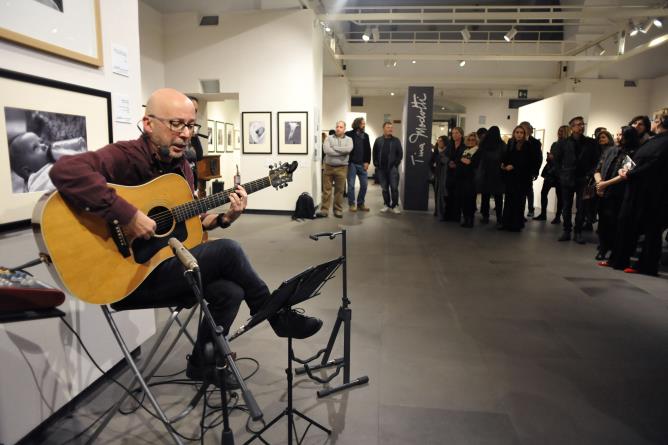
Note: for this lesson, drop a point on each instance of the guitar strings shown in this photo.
(168, 216)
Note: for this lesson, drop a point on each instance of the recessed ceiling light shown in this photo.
(392, 93)
(413, 61)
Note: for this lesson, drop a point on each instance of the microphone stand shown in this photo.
(192, 275)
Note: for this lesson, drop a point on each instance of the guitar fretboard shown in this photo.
(198, 206)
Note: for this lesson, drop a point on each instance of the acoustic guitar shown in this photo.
(94, 260)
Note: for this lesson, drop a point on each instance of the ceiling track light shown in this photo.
(366, 36)
(633, 29)
(601, 51)
(657, 22)
(375, 34)
(510, 35)
(466, 34)
(413, 62)
(462, 63)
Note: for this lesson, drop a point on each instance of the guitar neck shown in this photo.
(198, 206)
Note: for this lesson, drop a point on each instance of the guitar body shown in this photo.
(85, 259)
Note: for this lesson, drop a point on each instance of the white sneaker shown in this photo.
(396, 210)
(384, 209)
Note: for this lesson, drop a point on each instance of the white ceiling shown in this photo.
(597, 21)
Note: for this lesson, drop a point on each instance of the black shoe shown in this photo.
(588, 227)
(566, 236)
(294, 324)
(207, 373)
(540, 217)
(578, 238)
(600, 256)
(530, 214)
(484, 220)
(556, 220)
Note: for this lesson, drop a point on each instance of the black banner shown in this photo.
(418, 113)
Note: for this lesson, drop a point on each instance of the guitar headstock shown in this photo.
(280, 175)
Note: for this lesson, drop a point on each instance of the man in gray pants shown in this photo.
(337, 148)
(387, 155)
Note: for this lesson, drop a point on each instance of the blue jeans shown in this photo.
(356, 170)
(389, 182)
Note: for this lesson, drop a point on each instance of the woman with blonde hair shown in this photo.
(453, 152)
(466, 168)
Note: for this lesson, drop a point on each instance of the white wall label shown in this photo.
(119, 60)
(122, 111)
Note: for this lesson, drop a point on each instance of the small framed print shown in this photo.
(220, 137)
(229, 138)
(211, 128)
(256, 132)
(292, 132)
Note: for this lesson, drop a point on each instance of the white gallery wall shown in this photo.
(151, 50)
(43, 366)
(658, 97)
(547, 116)
(494, 109)
(335, 101)
(273, 60)
(377, 109)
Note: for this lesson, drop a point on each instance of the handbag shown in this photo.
(589, 191)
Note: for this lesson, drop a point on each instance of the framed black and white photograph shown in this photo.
(69, 28)
(229, 138)
(292, 132)
(40, 121)
(256, 132)
(211, 128)
(220, 137)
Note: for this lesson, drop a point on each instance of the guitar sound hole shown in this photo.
(164, 220)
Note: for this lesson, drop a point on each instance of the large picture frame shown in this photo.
(22, 95)
(68, 29)
(292, 132)
(229, 138)
(220, 137)
(211, 128)
(256, 132)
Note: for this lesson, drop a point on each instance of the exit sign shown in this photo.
(522, 94)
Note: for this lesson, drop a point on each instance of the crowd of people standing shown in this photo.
(617, 184)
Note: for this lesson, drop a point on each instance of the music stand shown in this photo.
(295, 290)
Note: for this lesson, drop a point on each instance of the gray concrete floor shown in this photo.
(468, 336)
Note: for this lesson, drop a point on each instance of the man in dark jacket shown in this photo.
(536, 149)
(358, 164)
(574, 159)
(387, 155)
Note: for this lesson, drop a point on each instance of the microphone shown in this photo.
(185, 257)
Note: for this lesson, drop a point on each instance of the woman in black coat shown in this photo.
(516, 165)
(490, 182)
(611, 195)
(465, 176)
(454, 150)
(551, 179)
(439, 163)
(644, 200)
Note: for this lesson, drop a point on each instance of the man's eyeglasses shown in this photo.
(176, 125)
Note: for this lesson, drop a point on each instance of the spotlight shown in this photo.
(510, 35)
(657, 22)
(647, 26)
(392, 93)
(375, 33)
(600, 49)
(442, 108)
(466, 34)
(413, 62)
(394, 63)
(462, 63)
(327, 28)
(367, 35)
(633, 29)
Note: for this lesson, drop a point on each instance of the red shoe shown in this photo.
(630, 270)
(603, 264)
